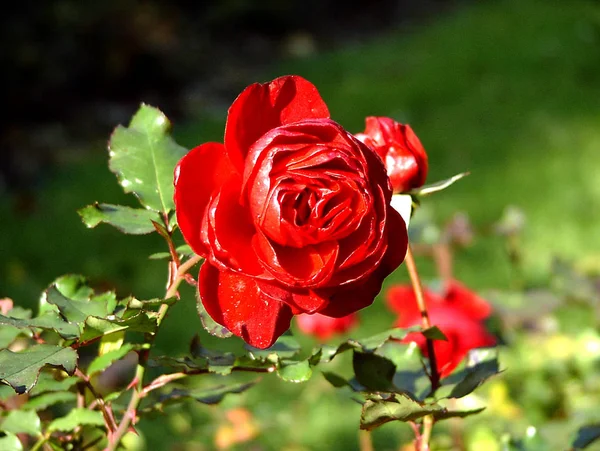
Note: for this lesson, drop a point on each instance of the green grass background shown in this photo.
(506, 89)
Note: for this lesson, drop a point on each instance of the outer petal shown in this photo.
(198, 175)
(238, 303)
(353, 297)
(262, 107)
(227, 231)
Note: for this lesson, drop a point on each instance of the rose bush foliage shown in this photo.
(400, 149)
(292, 214)
(458, 313)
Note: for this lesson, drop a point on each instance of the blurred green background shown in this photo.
(506, 89)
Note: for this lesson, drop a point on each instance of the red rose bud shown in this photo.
(400, 149)
(324, 327)
(292, 214)
(458, 314)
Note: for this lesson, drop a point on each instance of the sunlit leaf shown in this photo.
(376, 412)
(94, 327)
(133, 221)
(445, 414)
(213, 395)
(22, 422)
(285, 347)
(8, 333)
(47, 383)
(77, 417)
(48, 321)
(10, 442)
(103, 361)
(45, 400)
(20, 369)
(144, 156)
(74, 286)
(72, 310)
(134, 303)
(431, 188)
(295, 371)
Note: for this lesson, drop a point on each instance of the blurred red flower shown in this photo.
(324, 327)
(292, 214)
(400, 149)
(459, 314)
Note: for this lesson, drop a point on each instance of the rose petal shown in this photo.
(262, 107)
(228, 231)
(463, 333)
(310, 266)
(198, 175)
(238, 303)
(464, 299)
(353, 297)
(301, 301)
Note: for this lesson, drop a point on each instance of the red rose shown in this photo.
(324, 327)
(458, 314)
(292, 214)
(400, 149)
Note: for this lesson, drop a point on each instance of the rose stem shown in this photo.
(176, 275)
(426, 323)
(365, 441)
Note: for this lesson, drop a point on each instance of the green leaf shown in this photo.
(586, 436)
(426, 190)
(74, 286)
(434, 333)
(77, 417)
(376, 412)
(410, 377)
(133, 221)
(212, 395)
(108, 300)
(144, 156)
(8, 334)
(46, 400)
(22, 422)
(371, 344)
(134, 303)
(94, 327)
(10, 443)
(20, 369)
(48, 321)
(482, 364)
(373, 371)
(285, 347)
(72, 310)
(335, 379)
(160, 256)
(295, 371)
(102, 362)
(47, 383)
(445, 414)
